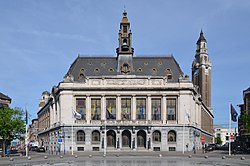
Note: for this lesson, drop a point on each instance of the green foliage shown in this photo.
(218, 140)
(12, 124)
(246, 119)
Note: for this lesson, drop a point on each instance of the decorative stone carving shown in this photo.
(68, 78)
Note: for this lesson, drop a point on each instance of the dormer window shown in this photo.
(97, 69)
(125, 69)
(139, 70)
(169, 74)
(81, 77)
(82, 70)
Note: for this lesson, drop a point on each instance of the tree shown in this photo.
(246, 120)
(12, 124)
(218, 140)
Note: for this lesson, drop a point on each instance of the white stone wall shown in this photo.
(188, 111)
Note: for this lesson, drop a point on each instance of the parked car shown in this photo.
(41, 149)
(33, 148)
(210, 147)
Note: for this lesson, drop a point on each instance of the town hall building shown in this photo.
(129, 102)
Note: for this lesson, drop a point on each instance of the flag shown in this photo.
(76, 114)
(94, 112)
(234, 114)
(142, 112)
(109, 114)
(26, 117)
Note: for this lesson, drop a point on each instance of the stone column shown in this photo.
(103, 108)
(149, 111)
(88, 109)
(133, 107)
(118, 110)
(164, 109)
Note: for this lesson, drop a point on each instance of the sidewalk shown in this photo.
(148, 156)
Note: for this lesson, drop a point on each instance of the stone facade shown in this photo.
(124, 103)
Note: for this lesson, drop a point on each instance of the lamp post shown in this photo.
(63, 141)
(105, 141)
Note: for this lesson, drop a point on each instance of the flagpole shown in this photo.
(26, 139)
(183, 147)
(105, 141)
(229, 146)
(26, 131)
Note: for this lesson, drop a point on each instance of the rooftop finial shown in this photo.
(201, 38)
(124, 11)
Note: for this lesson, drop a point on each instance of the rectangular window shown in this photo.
(171, 109)
(156, 108)
(141, 108)
(110, 108)
(126, 108)
(95, 109)
(81, 108)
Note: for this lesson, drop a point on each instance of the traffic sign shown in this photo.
(59, 140)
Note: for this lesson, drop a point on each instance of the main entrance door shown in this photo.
(126, 139)
(111, 138)
(141, 139)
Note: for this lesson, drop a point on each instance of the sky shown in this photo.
(40, 39)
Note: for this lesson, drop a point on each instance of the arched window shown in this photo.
(95, 137)
(156, 136)
(80, 136)
(171, 136)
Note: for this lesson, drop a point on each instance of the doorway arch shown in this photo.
(126, 139)
(111, 138)
(141, 139)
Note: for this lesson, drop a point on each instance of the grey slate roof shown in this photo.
(4, 97)
(142, 65)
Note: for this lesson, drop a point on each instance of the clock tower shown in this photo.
(201, 71)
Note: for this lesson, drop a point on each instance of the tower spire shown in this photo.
(201, 38)
(125, 36)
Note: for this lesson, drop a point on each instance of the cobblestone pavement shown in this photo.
(122, 158)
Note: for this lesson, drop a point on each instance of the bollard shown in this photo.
(242, 158)
(11, 159)
(90, 156)
(223, 157)
(190, 156)
(61, 156)
(104, 155)
(160, 155)
(76, 156)
(45, 157)
(206, 157)
(29, 158)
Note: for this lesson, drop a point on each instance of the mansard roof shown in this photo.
(142, 66)
(4, 97)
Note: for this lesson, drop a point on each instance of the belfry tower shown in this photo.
(125, 50)
(201, 71)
